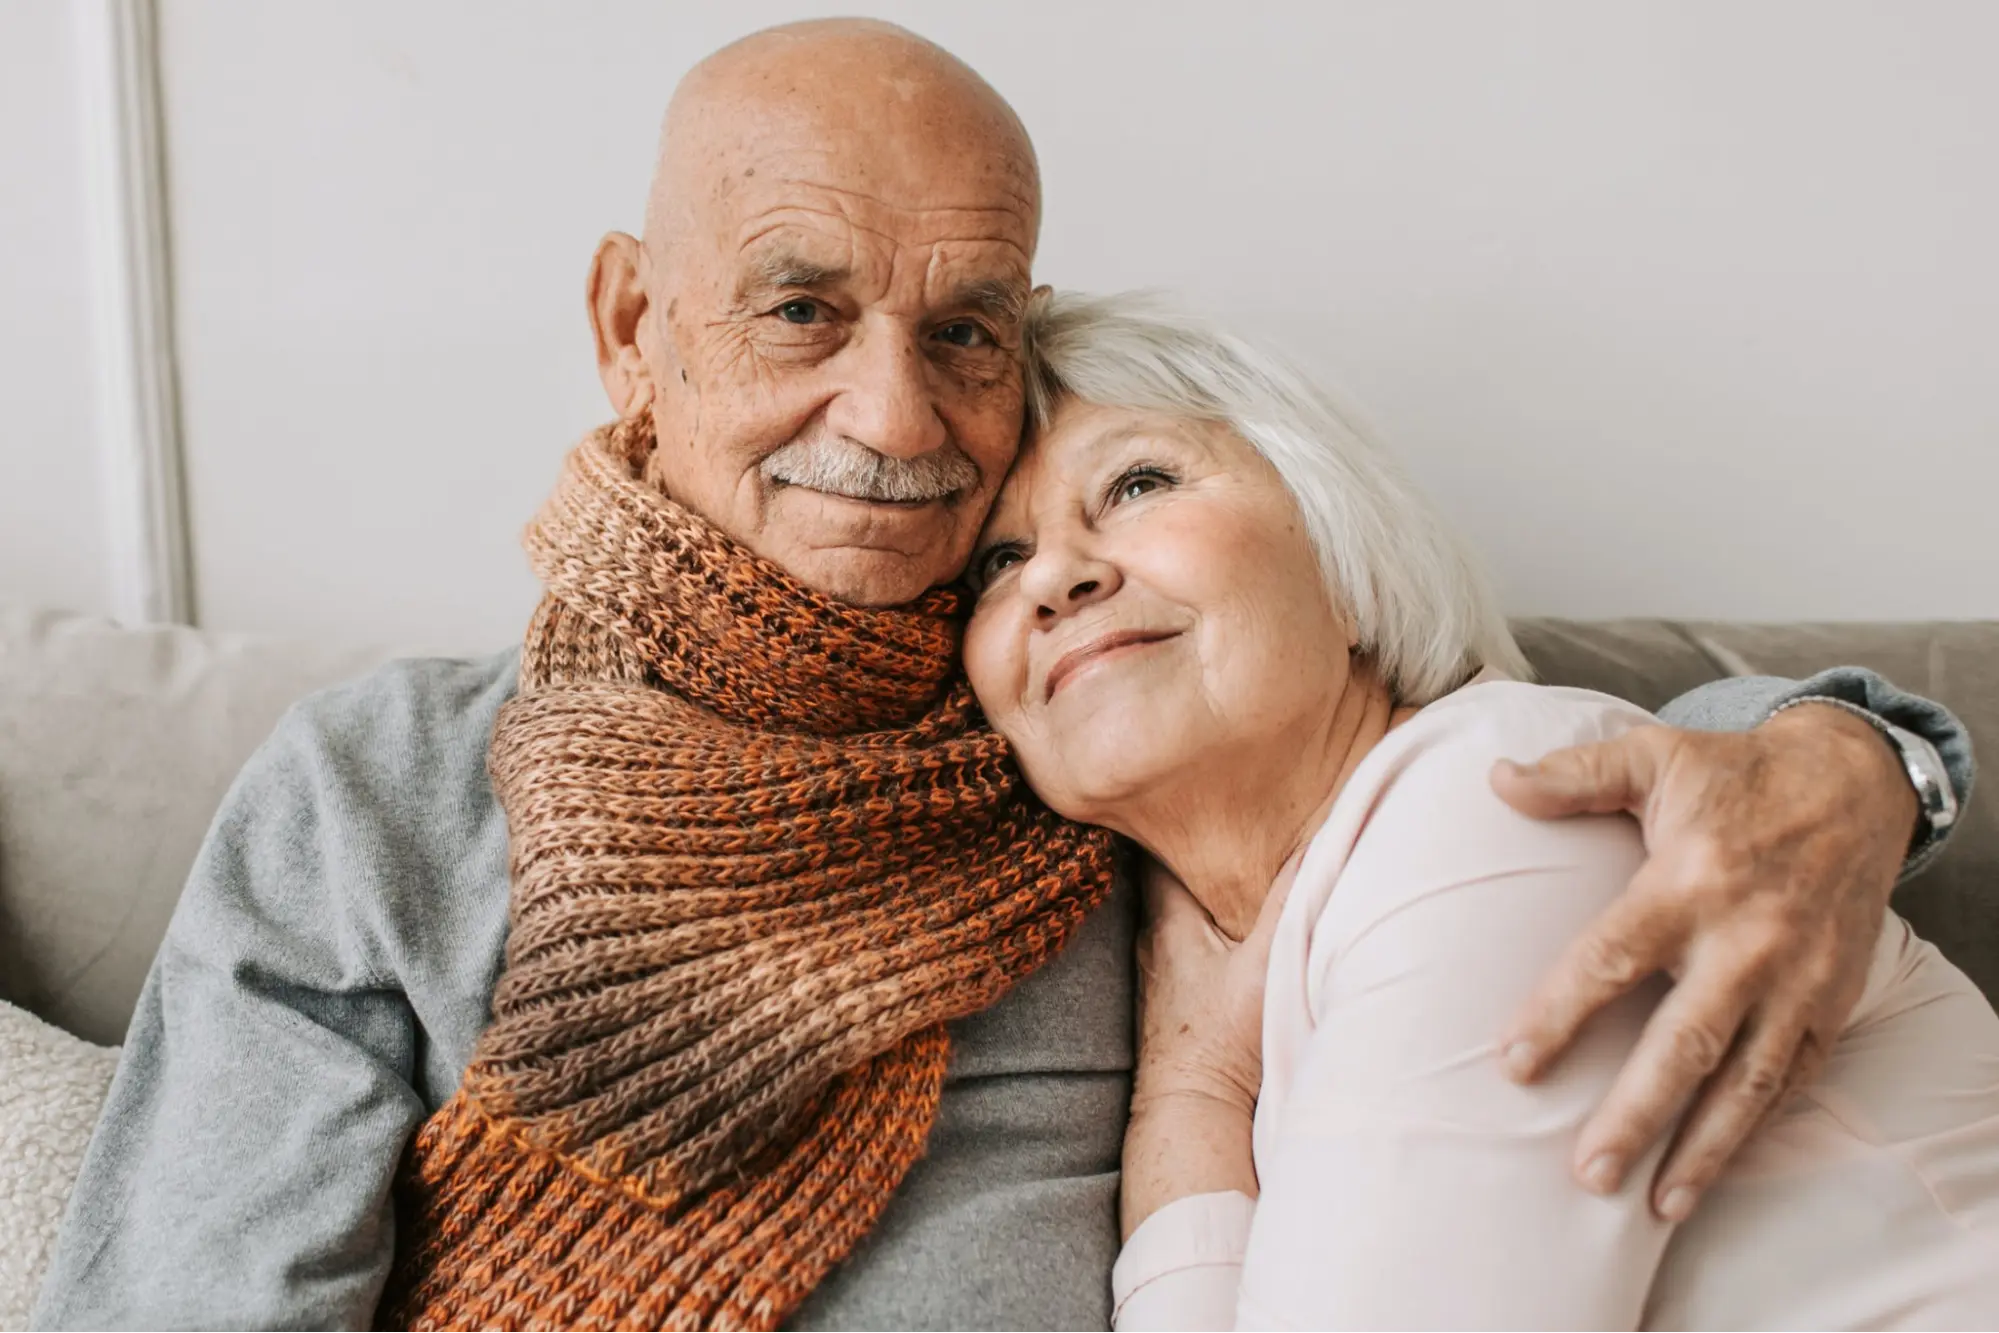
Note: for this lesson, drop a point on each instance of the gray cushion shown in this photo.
(116, 746)
(1955, 902)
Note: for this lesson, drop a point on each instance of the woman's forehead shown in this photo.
(1080, 432)
(1066, 456)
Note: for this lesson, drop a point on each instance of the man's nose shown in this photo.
(887, 402)
(1063, 579)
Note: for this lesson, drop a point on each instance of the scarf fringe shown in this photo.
(513, 1236)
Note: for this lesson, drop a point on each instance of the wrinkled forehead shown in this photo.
(802, 222)
(741, 167)
(1080, 435)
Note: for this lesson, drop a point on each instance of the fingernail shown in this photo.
(1601, 1174)
(1678, 1205)
(1519, 769)
(1519, 1060)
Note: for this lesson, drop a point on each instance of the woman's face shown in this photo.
(1150, 611)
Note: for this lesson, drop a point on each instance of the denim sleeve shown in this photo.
(1742, 702)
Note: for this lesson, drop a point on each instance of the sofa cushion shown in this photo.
(116, 746)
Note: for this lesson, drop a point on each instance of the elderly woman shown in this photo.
(1211, 618)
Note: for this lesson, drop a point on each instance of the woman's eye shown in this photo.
(1137, 482)
(996, 562)
(965, 333)
(799, 312)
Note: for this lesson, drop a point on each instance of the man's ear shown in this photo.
(618, 300)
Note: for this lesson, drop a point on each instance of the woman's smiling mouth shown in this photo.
(1117, 641)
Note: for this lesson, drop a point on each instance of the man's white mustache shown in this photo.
(840, 466)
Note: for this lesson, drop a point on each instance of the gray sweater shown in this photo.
(329, 968)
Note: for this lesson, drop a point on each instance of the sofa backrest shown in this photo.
(116, 747)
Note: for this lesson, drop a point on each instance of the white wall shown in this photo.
(1679, 308)
(52, 521)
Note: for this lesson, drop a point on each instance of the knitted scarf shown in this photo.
(763, 847)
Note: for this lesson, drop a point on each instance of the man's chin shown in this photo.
(862, 575)
(867, 554)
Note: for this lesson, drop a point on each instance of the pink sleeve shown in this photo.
(1405, 1182)
(1180, 1268)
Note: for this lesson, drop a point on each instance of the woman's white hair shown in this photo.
(1424, 612)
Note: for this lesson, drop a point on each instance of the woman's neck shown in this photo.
(1228, 830)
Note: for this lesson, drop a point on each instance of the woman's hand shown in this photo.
(1200, 1049)
(1200, 998)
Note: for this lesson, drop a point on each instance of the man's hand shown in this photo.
(1771, 857)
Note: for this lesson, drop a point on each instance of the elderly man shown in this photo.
(684, 1056)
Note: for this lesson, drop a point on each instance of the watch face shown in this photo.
(1931, 779)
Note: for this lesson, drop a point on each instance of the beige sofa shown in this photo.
(116, 747)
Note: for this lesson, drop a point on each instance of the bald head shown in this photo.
(895, 114)
(824, 318)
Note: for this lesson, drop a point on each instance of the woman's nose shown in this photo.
(1063, 581)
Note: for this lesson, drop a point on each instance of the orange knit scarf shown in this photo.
(764, 846)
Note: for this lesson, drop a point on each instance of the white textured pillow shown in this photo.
(51, 1087)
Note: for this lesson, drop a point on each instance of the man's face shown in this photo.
(832, 333)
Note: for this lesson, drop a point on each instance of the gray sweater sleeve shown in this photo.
(1741, 702)
(281, 1054)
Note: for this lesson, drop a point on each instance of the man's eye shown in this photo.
(799, 312)
(965, 333)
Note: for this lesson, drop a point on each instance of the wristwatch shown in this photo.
(1935, 797)
(1926, 771)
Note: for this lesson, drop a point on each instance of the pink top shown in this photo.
(1406, 1183)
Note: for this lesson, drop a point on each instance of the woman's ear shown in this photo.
(1349, 623)
(618, 301)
